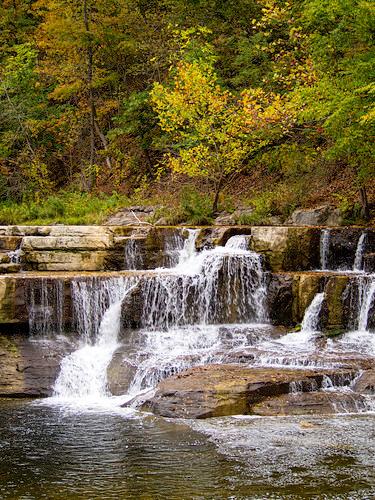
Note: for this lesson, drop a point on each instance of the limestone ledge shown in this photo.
(99, 248)
(289, 294)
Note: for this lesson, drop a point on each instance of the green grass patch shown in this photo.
(73, 208)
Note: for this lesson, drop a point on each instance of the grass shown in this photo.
(63, 208)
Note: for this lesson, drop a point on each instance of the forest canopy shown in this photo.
(111, 95)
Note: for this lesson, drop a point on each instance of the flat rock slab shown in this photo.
(312, 403)
(220, 390)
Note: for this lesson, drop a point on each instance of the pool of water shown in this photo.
(55, 452)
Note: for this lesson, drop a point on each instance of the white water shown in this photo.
(324, 249)
(83, 374)
(366, 300)
(15, 256)
(309, 326)
(358, 259)
(46, 306)
(133, 254)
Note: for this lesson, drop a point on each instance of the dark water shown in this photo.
(55, 453)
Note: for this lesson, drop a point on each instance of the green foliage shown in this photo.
(63, 208)
(196, 208)
(234, 85)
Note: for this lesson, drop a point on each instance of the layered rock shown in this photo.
(29, 368)
(220, 390)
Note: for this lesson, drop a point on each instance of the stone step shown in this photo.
(6, 268)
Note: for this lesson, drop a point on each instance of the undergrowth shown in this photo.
(63, 208)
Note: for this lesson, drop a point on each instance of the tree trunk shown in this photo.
(365, 211)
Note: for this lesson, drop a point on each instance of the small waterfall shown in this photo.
(15, 256)
(45, 300)
(309, 326)
(225, 284)
(366, 301)
(173, 244)
(311, 317)
(324, 249)
(83, 374)
(358, 260)
(133, 254)
(188, 249)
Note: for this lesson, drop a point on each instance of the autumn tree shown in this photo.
(212, 133)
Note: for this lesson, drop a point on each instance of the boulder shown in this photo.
(220, 390)
(325, 215)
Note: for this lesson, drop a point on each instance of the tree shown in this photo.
(210, 132)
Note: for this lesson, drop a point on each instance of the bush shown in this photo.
(196, 207)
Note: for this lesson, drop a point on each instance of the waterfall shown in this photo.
(324, 249)
(358, 260)
(310, 322)
(45, 302)
(15, 256)
(173, 244)
(181, 312)
(188, 249)
(133, 254)
(366, 301)
(83, 374)
(309, 326)
(220, 285)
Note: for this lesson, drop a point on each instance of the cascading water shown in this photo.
(97, 309)
(324, 249)
(224, 284)
(358, 259)
(182, 308)
(15, 256)
(133, 254)
(366, 301)
(309, 326)
(45, 298)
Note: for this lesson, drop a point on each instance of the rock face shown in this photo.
(287, 248)
(325, 215)
(29, 369)
(219, 390)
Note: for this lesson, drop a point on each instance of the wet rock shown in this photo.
(280, 299)
(132, 310)
(325, 215)
(29, 368)
(342, 247)
(120, 373)
(210, 237)
(219, 390)
(369, 263)
(365, 384)
(311, 403)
